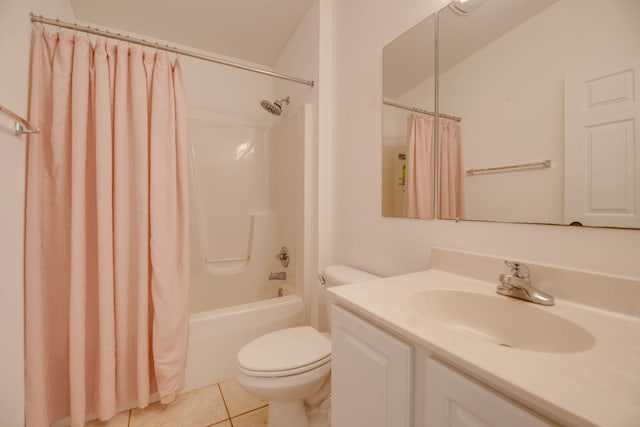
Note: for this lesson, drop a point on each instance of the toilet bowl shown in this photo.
(288, 366)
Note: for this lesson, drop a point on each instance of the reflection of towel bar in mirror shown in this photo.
(537, 165)
(419, 110)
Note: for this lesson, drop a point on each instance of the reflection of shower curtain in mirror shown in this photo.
(451, 195)
(420, 163)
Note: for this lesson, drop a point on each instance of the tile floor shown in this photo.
(225, 404)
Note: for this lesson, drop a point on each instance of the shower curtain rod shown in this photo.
(98, 32)
(419, 110)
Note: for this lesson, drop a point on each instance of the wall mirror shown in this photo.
(548, 96)
(408, 123)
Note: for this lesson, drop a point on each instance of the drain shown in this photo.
(505, 345)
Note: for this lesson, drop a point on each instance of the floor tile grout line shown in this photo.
(129, 418)
(224, 402)
(249, 411)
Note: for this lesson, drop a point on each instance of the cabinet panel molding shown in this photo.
(454, 400)
(372, 375)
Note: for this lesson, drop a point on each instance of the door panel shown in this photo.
(602, 147)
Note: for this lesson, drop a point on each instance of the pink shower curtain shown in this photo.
(451, 196)
(106, 276)
(420, 167)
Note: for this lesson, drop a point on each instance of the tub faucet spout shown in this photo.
(282, 275)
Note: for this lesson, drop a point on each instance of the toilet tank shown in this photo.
(336, 275)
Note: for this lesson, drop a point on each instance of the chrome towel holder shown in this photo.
(22, 126)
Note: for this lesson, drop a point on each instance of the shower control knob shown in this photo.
(283, 256)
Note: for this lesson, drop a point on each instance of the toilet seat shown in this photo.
(285, 352)
(286, 372)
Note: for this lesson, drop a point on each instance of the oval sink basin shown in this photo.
(501, 320)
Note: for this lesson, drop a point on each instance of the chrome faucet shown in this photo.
(517, 284)
(282, 275)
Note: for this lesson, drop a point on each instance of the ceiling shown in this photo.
(462, 36)
(409, 59)
(251, 30)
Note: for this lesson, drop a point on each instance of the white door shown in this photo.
(602, 147)
(371, 375)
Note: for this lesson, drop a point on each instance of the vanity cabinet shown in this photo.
(455, 400)
(372, 375)
(379, 380)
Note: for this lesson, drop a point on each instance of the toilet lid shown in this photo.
(284, 350)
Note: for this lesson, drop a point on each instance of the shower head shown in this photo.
(275, 107)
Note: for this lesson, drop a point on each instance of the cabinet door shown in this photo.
(371, 379)
(454, 400)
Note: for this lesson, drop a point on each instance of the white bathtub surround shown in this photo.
(247, 200)
(598, 385)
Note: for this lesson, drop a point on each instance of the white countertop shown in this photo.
(599, 386)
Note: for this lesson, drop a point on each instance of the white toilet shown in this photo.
(288, 366)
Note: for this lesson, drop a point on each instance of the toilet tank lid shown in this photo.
(343, 274)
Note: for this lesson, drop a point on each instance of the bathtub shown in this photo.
(216, 336)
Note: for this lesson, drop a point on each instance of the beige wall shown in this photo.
(361, 236)
(15, 47)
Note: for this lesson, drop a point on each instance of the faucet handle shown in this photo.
(518, 269)
(283, 256)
